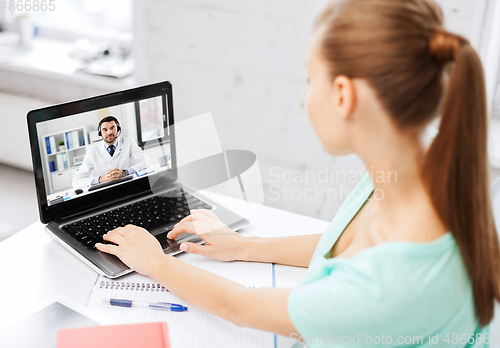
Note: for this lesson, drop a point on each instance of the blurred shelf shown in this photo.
(46, 68)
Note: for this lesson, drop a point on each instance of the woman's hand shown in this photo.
(136, 247)
(222, 243)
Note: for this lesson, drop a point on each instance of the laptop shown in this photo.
(77, 210)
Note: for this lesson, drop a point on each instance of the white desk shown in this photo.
(34, 268)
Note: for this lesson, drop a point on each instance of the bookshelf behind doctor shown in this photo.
(62, 161)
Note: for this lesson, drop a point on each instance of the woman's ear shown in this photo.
(344, 96)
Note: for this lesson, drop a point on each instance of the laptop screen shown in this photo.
(95, 152)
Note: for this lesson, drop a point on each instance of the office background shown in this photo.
(242, 61)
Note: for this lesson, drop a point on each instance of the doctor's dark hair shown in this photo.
(419, 70)
(108, 119)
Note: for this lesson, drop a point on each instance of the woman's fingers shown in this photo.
(119, 230)
(136, 247)
(207, 213)
(114, 237)
(198, 215)
(179, 230)
(108, 248)
(193, 248)
(182, 227)
(187, 225)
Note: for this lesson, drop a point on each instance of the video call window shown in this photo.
(76, 160)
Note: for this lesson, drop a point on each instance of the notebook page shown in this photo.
(193, 328)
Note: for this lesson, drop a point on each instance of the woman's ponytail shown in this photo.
(456, 169)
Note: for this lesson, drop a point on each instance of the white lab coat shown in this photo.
(98, 161)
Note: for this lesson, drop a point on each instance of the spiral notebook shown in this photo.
(193, 328)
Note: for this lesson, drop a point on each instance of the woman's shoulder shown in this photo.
(417, 271)
(410, 257)
(405, 287)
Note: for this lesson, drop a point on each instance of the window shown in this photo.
(152, 121)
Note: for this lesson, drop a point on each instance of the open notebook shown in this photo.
(193, 328)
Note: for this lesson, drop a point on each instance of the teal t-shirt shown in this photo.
(394, 294)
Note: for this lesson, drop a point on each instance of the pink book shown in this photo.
(151, 335)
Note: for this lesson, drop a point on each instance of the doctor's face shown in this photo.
(109, 132)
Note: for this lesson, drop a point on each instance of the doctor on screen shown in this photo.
(112, 159)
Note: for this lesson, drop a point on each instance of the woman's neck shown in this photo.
(395, 167)
(400, 197)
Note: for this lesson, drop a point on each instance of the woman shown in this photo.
(421, 262)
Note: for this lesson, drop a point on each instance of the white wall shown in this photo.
(14, 141)
(245, 62)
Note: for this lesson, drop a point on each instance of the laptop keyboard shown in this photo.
(150, 214)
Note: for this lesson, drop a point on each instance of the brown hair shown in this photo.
(402, 50)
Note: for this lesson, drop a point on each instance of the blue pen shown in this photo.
(173, 307)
